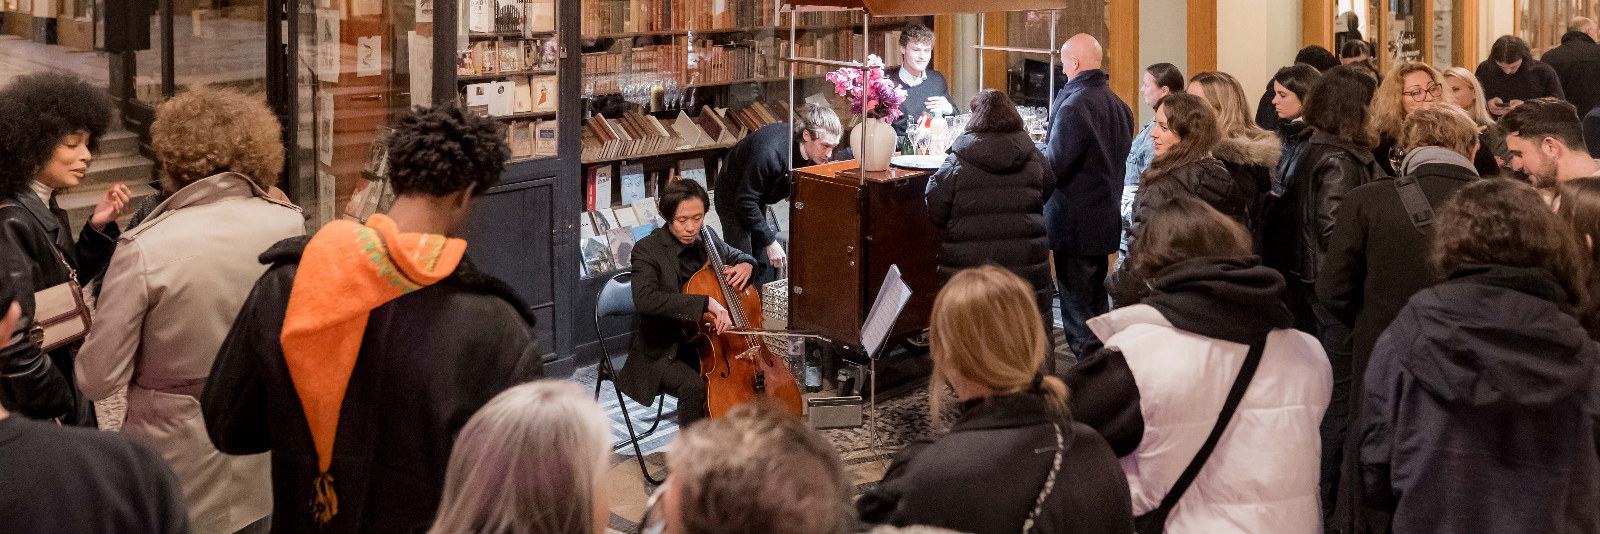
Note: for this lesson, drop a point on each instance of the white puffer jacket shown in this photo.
(1262, 477)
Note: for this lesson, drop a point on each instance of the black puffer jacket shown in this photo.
(1207, 179)
(34, 229)
(1250, 160)
(1478, 410)
(1298, 222)
(989, 200)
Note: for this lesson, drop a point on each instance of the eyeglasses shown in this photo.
(1433, 90)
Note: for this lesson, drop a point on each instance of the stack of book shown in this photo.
(635, 133)
(756, 115)
(612, 16)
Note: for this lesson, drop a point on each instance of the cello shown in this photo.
(738, 368)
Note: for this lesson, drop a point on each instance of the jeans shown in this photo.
(1082, 281)
(1335, 429)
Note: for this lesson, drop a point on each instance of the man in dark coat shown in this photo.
(1091, 131)
(409, 340)
(660, 359)
(1577, 64)
(1511, 76)
(755, 175)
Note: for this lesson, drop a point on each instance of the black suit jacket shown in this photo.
(660, 311)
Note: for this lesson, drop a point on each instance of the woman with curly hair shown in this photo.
(52, 124)
(219, 150)
(1410, 87)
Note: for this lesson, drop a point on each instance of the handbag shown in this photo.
(1155, 521)
(60, 315)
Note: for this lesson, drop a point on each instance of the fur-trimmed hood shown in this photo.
(1262, 150)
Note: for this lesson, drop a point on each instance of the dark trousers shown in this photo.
(738, 237)
(1335, 429)
(1082, 280)
(682, 380)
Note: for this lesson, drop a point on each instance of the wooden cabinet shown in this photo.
(846, 233)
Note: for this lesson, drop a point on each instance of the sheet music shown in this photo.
(892, 298)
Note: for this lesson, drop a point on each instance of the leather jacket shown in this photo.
(41, 385)
(1315, 180)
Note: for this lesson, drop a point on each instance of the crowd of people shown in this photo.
(1370, 304)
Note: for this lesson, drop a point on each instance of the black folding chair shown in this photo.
(616, 300)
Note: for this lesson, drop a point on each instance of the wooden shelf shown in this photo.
(875, 25)
(497, 77)
(513, 34)
(719, 84)
(527, 115)
(648, 155)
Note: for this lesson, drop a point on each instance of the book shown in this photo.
(487, 57)
(542, 16)
(709, 124)
(693, 169)
(600, 222)
(632, 183)
(609, 216)
(690, 132)
(502, 99)
(596, 254)
(619, 241)
(521, 140)
(480, 97)
(480, 15)
(544, 93)
(639, 232)
(626, 217)
(465, 64)
(588, 191)
(508, 16)
(585, 226)
(602, 186)
(510, 56)
(523, 96)
(545, 141)
(647, 212)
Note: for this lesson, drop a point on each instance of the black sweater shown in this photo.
(65, 480)
(916, 97)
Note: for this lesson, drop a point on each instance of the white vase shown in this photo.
(878, 147)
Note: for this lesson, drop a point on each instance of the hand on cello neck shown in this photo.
(738, 275)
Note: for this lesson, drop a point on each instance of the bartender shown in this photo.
(926, 89)
(755, 174)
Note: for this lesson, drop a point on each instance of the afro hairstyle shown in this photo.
(38, 111)
(439, 151)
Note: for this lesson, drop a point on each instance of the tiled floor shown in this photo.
(20, 56)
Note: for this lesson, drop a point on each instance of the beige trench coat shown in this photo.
(170, 295)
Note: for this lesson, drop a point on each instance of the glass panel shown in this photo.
(1405, 39)
(507, 56)
(147, 66)
(360, 64)
(221, 43)
(1444, 42)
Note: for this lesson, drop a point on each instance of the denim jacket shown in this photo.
(1139, 157)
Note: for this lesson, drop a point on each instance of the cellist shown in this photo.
(660, 358)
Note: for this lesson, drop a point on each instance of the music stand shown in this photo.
(881, 318)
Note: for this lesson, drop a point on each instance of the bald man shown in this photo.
(1086, 149)
(1577, 64)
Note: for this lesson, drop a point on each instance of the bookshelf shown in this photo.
(508, 54)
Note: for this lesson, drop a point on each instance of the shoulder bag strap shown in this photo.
(71, 272)
(1158, 517)
(1416, 203)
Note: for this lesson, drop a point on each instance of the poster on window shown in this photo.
(420, 60)
(325, 128)
(424, 11)
(328, 44)
(369, 56)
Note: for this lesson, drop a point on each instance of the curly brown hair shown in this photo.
(1498, 221)
(206, 131)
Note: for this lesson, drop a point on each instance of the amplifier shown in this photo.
(834, 412)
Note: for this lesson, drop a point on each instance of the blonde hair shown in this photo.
(1388, 111)
(1227, 100)
(986, 329)
(759, 468)
(1445, 126)
(527, 463)
(206, 131)
(1479, 110)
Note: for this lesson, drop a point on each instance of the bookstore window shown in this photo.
(506, 59)
(1545, 21)
(669, 85)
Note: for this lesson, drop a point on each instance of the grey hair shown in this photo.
(527, 463)
(911, 529)
(817, 120)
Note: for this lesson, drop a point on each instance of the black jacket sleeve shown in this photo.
(1375, 422)
(30, 383)
(748, 203)
(941, 191)
(651, 298)
(1105, 397)
(1335, 175)
(234, 402)
(94, 249)
(1344, 266)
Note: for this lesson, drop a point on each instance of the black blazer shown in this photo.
(660, 309)
(985, 476)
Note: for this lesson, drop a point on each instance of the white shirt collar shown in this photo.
(913, 81)
(44, 191)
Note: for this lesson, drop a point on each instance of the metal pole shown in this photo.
(793, 49)
(861, 121)
(980, 52)
(1050, 92)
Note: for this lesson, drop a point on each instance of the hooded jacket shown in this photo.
(1156, 387)
(1577, 65)
(1478, 410)
(989, 200)
(1250, 160)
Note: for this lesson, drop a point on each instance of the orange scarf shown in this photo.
(347, 270)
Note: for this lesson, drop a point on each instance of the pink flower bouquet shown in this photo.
(868, 89)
